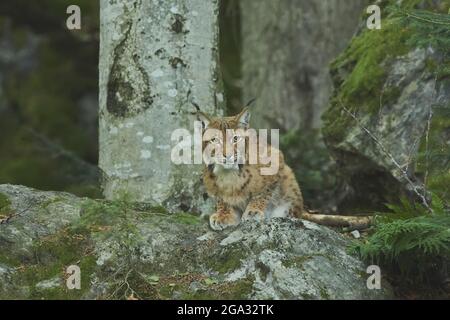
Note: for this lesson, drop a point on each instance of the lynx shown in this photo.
(242, 192)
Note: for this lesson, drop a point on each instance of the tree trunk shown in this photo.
(287, 46)
(155, 58)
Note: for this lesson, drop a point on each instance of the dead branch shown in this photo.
(351, 222)
(392, 158)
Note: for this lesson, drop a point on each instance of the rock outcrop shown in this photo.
(132, 251)
(389, 113)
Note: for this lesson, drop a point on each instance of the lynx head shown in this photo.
(225, 140)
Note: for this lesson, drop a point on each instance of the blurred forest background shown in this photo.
(49, 86)
(48, 96)
(49, 92)
(365, 121)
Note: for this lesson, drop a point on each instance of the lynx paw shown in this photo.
(220, 221)
(253, 215)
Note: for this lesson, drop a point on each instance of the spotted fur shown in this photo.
(242, 192)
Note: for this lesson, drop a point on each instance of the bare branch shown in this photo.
(197, 107)
(352, 222)
(392, 158)
(427, 143)
(250, 102)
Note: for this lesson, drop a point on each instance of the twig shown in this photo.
(427, 139)
(411, 15)
(8, 218)
(427, 136)
(410, 156)
(129, 288)
(123, 283)
(391, 157)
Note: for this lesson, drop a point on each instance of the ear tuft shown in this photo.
(250, 102)
(204, 119)
(244, 118)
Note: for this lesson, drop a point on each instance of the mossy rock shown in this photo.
(4, 203)
(387, 83)
(125, 251)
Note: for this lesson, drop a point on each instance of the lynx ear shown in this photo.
(243, 118)
(205, 119)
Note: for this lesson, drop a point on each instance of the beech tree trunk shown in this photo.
(155, 58)
(287, 46)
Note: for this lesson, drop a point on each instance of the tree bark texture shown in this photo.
(155, 58)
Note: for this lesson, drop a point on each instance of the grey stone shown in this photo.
(282, 259)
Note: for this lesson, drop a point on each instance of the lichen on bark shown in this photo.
(155, 59)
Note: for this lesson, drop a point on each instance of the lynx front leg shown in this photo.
(256, 208)
(224, 217)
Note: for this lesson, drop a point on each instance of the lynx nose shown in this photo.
(228, 159)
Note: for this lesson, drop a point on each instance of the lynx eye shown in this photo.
(214, 140)
(237, 138)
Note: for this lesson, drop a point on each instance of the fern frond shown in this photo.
(412, 242)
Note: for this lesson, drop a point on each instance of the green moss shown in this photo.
(9, 259)
(240, 289)
(104, 213)
(167, 285)
(228, 261)
(37, 274)
(85, 190)
(364, 62)
(359, 73)
(186, 218)
(433, 161)
(229, 265)
(440, 184)
(49, 202)
(431, 65)
(324, 294)
(306, 296)
(52, 256)
(116, 222)
(367, 54)
(4, 203)
(431, 28)
(180, 284)
(157, 209)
